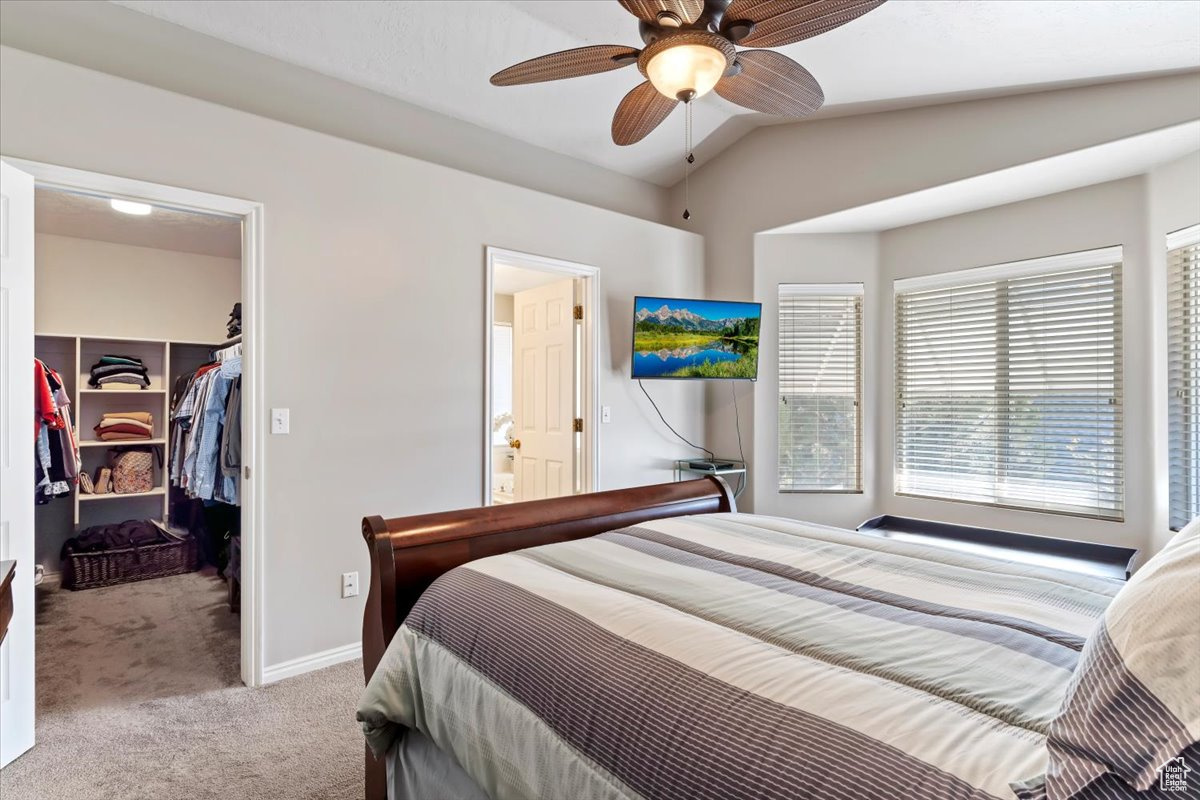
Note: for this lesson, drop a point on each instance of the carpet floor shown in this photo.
(138, 696)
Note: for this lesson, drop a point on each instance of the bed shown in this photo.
(654, 643)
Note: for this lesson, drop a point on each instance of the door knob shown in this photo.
(516, 444)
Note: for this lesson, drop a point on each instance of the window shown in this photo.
(820, 387)
(502, 372)
(1183, 370)
(1008, 385)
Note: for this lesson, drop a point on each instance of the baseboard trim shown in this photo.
(299, 666)
(48, 579)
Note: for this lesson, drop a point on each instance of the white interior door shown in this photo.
(544, 390)
(16, 455)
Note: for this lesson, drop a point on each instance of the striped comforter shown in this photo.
(734, 656)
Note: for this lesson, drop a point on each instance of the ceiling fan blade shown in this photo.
(640, 112)
(567, 64)
(687, 11)
(780, 22)
(773, 84)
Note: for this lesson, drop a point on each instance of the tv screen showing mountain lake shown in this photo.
(695, 339)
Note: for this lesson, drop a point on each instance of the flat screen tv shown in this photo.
(695, 339)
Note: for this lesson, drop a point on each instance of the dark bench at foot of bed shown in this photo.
(409, 553)
(1105, 560)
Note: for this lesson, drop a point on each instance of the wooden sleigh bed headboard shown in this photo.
(409, 553)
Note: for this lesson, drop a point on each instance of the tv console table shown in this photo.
(687, 469)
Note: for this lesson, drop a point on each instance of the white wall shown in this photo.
(821, 258)
(86, 287)
(502, 308)
(781, 174)
(1083, 219)
(374, 285)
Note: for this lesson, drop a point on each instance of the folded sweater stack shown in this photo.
(119, 372)
(123, 426)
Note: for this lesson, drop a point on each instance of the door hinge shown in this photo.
(578, 426)
(247, 469)
(578, 312)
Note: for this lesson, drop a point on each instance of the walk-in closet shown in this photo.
(136, 453)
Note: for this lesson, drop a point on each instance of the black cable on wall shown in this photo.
(672, 430)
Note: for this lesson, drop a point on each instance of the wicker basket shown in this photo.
(128, 564)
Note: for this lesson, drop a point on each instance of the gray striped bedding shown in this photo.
(733, 656)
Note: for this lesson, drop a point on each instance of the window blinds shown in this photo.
(1008, 385)
(1183, 370)
(820, 387)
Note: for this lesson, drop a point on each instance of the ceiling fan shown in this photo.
(691, 49)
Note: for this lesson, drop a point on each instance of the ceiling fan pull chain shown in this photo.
(689, 160)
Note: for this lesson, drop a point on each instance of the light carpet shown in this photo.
(139, 696)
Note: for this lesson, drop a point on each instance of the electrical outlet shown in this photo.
(281, 420)
(349, 584)
(606, 413)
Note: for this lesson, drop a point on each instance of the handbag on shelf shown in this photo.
(85, 484)
(132, 469)
(102, 484)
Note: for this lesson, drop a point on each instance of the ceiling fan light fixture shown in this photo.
(690, 51)
(686, 70)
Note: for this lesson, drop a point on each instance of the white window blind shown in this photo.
(820, 387)
(1008, 385)
(1183, 370)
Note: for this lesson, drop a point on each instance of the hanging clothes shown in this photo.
(57, 462)
(206, 435)
(231, 436)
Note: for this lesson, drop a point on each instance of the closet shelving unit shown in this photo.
(72, 356)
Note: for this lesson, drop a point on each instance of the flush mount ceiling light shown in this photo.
(690, 51)
(130, 207)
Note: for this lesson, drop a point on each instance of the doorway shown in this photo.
(540, 389)
(105, 416)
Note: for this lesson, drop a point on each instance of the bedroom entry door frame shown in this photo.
(589, 366)
(252, 492)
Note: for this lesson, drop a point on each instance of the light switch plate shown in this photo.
(606, 413)
(349, 584)
(281, 420)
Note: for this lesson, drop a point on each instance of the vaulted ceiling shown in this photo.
(439, 55)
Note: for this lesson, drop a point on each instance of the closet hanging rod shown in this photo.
(230, 349)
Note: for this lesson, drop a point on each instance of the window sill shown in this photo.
(1027, 509)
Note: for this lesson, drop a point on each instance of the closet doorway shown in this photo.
(540, 434)
(144, 292)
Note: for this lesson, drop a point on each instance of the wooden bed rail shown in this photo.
(409, 553)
